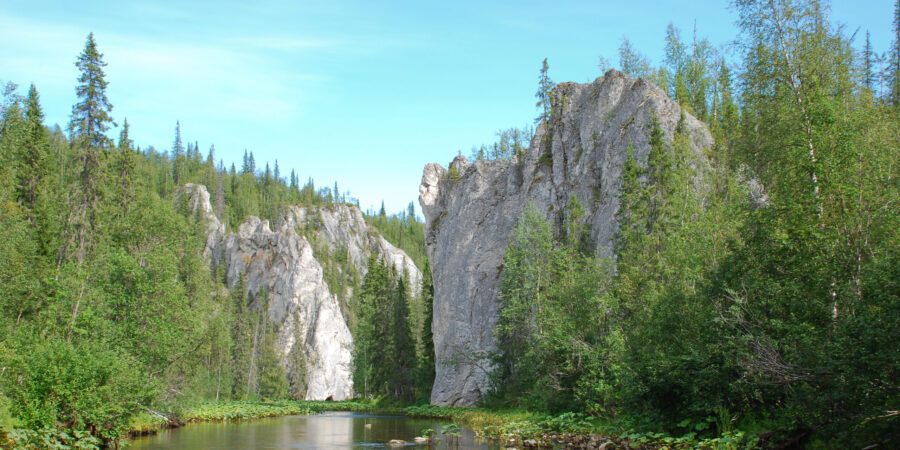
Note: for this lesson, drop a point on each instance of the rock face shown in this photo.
(344, 229)
(470, 209)
(198, 203)
(314, 340)
(282, 264)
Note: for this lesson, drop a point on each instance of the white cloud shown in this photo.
(162, 75)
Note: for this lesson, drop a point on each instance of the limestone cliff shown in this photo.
(314, 339)
(344, 229)
(470, 209)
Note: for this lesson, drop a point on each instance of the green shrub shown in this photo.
(59, 384)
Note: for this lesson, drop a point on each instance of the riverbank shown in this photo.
(513, 428)
(151, 422)
(524, 429)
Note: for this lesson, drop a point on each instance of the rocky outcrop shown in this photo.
(344, 229)
(314, 340)
(198, 203)
(471, 208)
(282, 264)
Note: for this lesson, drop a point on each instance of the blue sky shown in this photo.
(363, 93)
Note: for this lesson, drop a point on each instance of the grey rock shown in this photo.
(471, 208)
(344, 228)
(282, 263)
(198, 203)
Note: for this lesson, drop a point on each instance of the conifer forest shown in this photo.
(751, 290)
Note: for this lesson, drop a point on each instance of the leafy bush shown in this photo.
(79, 387)
(51, 438)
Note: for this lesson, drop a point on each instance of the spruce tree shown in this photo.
(426, 359)
(35, 159)
(867, 64)
(894, 59)
(90, 120)
(178, 157)
(544, 94)
(124, 168)
(91, 115)
(402, 341)
(220, 195)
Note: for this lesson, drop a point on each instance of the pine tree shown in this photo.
(544, 94)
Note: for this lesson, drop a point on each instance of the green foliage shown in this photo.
(511, 144)
(723, 318)
(426, 368)
(80, 385)
(544, 94)
(404, 231)
(91, 115)
(753, 290)
(453, 174)
(108, 303)
(384, 356)
(632, 62)
(53, 438)
(549, 295)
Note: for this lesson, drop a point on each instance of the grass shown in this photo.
(509, 425)
(245, 410)
(574, 428)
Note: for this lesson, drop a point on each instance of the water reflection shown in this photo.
(324, 431)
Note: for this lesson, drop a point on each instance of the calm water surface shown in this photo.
(323, 431)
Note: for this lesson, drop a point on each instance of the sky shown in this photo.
(362, 93)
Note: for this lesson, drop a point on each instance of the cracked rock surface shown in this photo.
(471, 208)
(281, 261)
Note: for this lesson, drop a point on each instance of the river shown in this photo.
(329, 430)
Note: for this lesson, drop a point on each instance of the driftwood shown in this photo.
(171, 421)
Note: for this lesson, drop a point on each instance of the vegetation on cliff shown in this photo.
(108, 308)
(732, 306)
